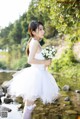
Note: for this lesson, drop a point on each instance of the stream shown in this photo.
(14, 114)
(6, 75)
(62, 109)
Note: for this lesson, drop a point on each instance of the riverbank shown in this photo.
(66, 107)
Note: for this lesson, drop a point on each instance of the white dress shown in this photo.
(34, 82)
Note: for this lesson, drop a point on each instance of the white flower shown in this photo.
(49, 52)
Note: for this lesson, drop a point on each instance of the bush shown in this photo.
(20, 63)
(3, 65)
(66, 60)
(66, 70)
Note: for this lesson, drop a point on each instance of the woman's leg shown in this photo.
(28, 108)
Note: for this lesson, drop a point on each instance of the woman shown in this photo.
(35, 81)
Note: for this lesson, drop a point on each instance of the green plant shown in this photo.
(20, 63)
(3, 65)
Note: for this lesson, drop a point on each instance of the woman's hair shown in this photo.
(32, 27)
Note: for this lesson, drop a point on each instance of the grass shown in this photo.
(4, 56)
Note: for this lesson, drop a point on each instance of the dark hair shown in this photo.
(32, 27)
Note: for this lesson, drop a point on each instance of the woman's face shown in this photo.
(39, 33)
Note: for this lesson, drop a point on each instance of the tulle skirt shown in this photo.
(32, 83)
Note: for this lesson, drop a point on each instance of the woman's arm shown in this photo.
(31, 58)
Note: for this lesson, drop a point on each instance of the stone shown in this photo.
(69, 116)
(1, 90)
(66, 88)
(67, 99)
(3, 108)
(0, 101)
(5, 89)
(5, 85)
(68, 103)
(7, 100)
(51, 110)
(36, 116)
(72, 112)
(2, 94)
(77, 91)
(53, 116)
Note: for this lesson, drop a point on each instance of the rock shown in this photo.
(5, 89)
(1, 90)
(51, 110)
(66, 88)
(53, 116)
(64, 105)
(0, 101)
(71, 112)
(67, 103)
(2, 108)
(7, 100)
(77, 91)
(67, 99)
(2, 94)
(71, 116)
(5, 85)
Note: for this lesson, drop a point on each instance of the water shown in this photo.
(14, 114)
(5, 75)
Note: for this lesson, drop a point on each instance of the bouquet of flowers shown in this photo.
(49, 52)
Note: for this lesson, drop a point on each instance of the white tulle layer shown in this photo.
(34, 82)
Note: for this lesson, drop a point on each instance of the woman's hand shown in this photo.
(48, 62)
